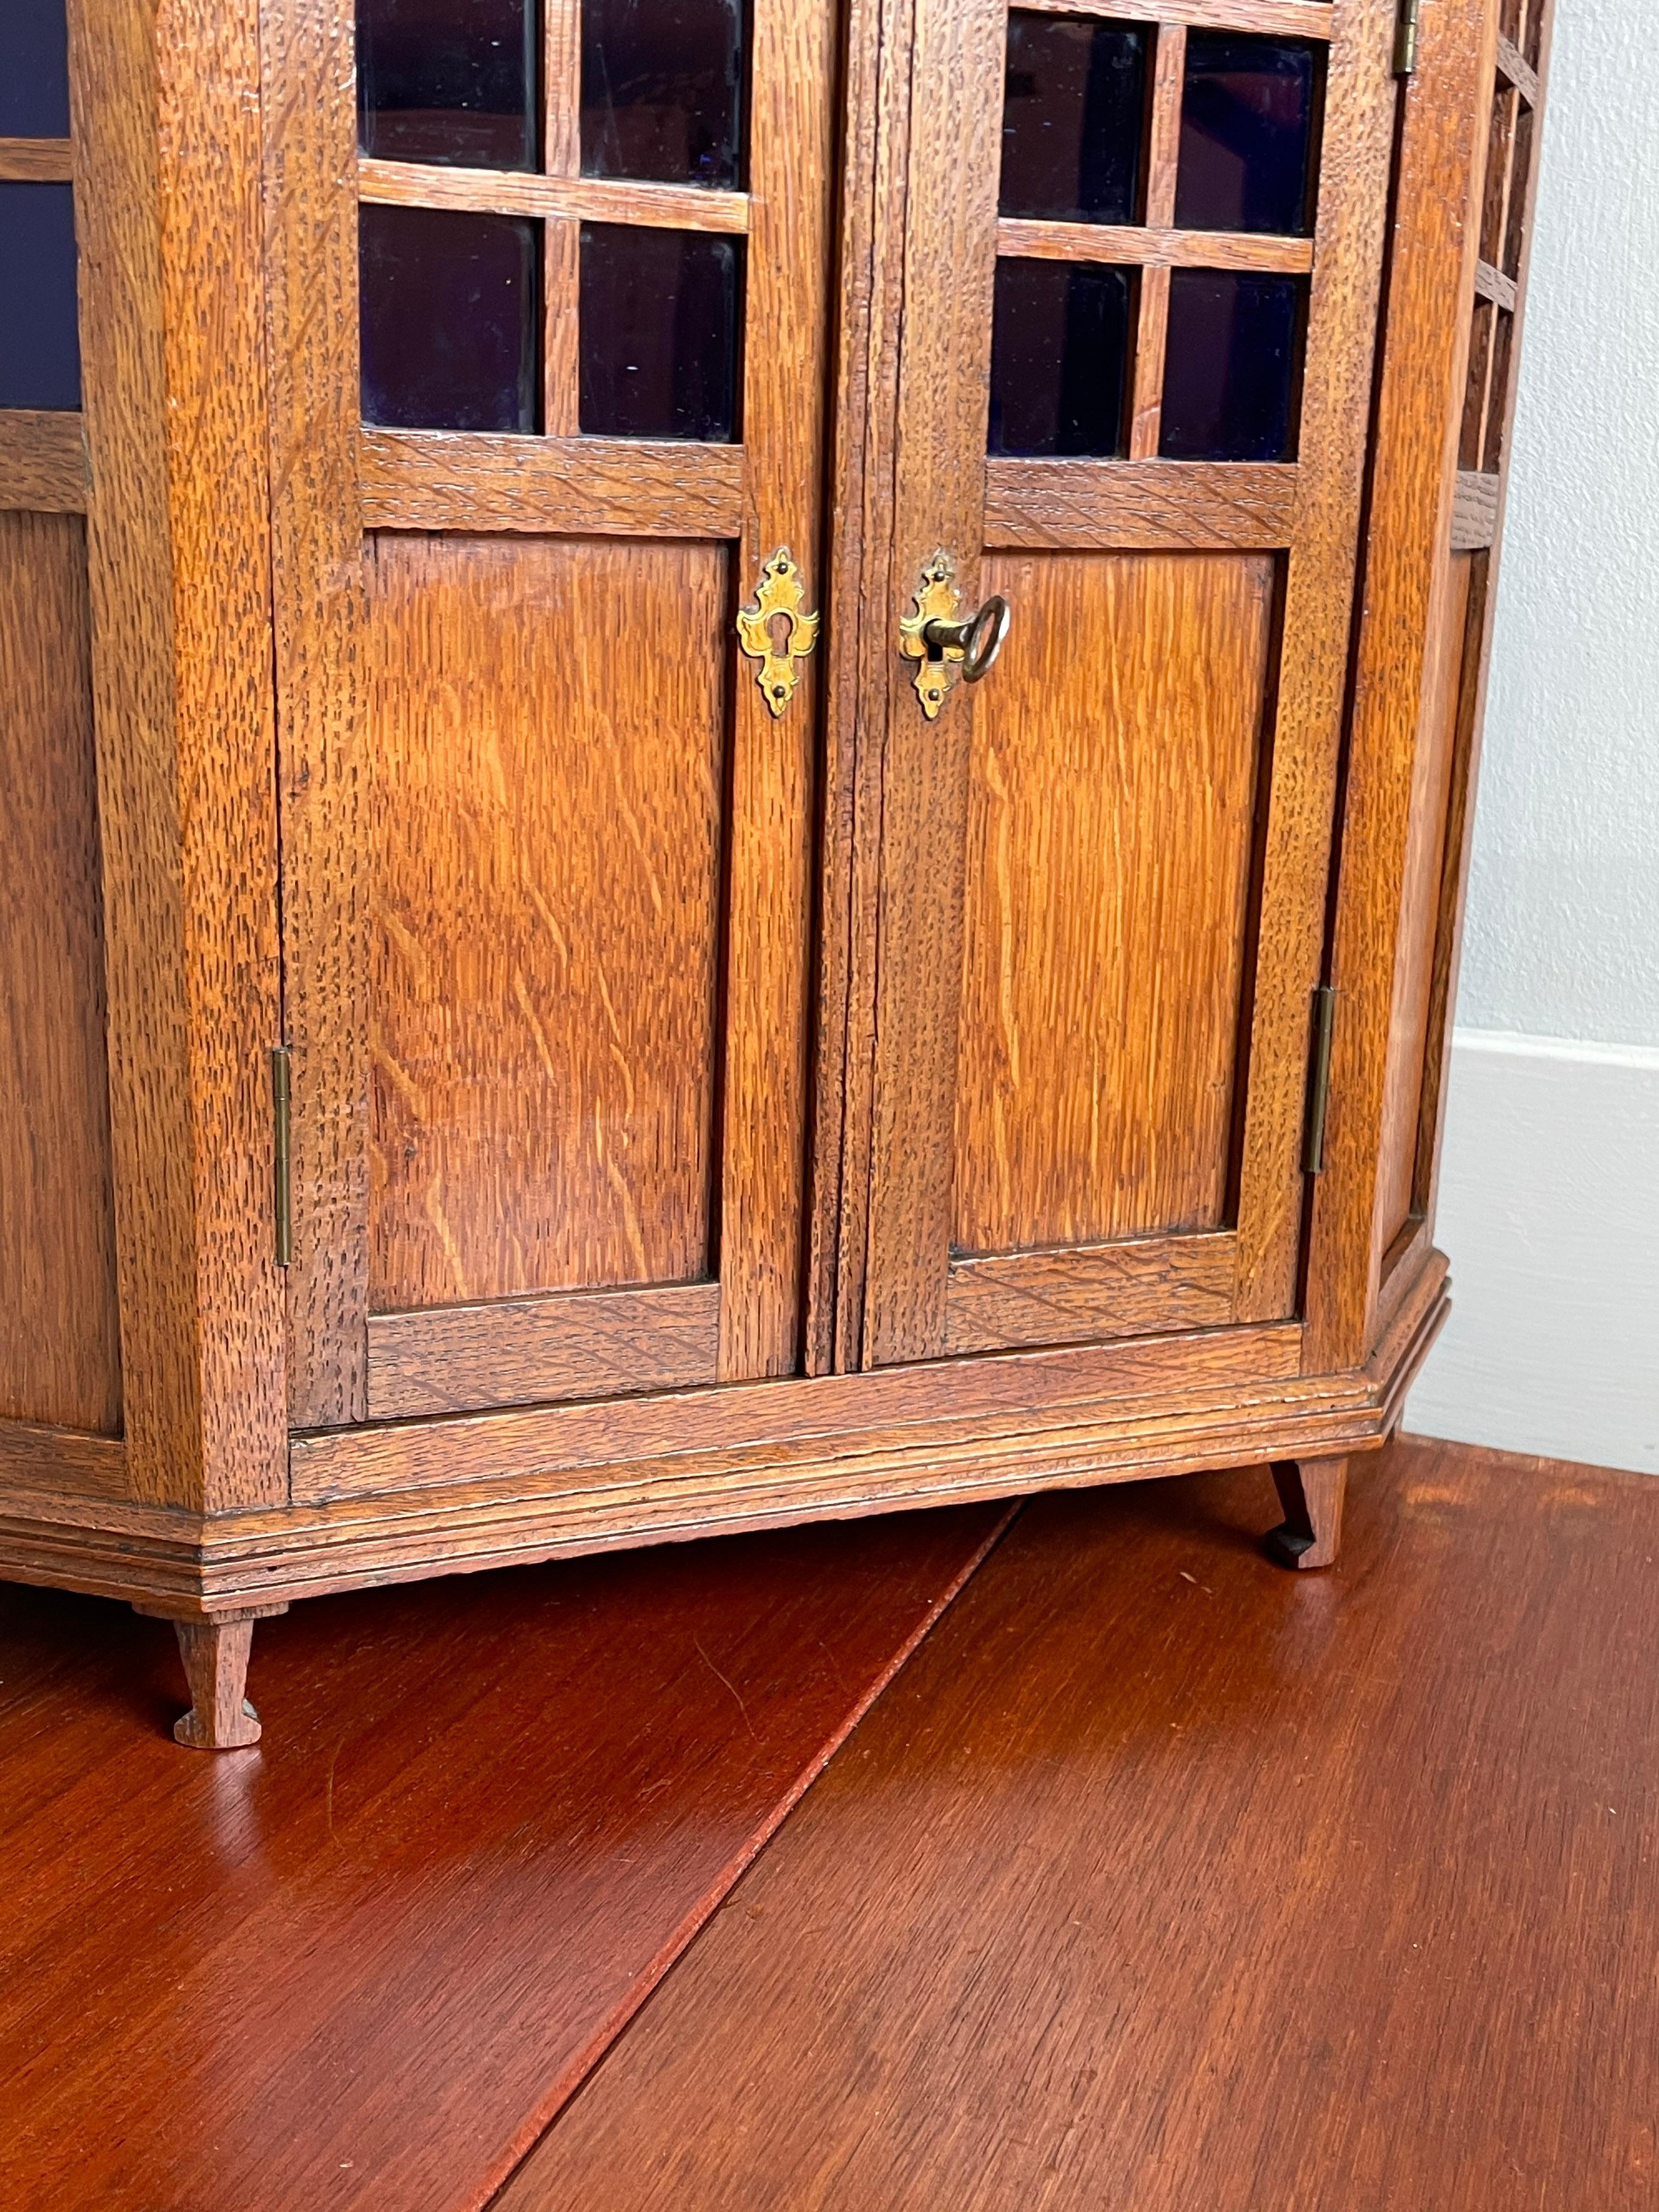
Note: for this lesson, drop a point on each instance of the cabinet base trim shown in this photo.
(503, 1489)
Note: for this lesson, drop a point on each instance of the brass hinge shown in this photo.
(1319, 1079)
(1405, 37)
(281, 1159)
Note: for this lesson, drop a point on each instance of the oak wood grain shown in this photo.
(918, 1021)
(767, 976)
(948, 225)
(1492, 284)
(1474, 512)
(1416, 665)
(1421, 877)
(1313, 664)
(36, 160)
(1292, 19)
(165, 111)
(1459, 801)
(75, 1461)
(1090, 1291)
(1152, 304)
(60, 1353)
(544, 742)
(582, 200)
(1514, 69)
(858, 656)
(1113, 776)
(422, 1498)
(1236, 1888)
(310, 150)
(704, 1433)
(1148, 248)
(588, 1344)
(1140, 506)
(43, 462)
(624, 487)
(498, 1809)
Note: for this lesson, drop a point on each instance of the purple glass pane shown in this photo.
(1059, 358)
(450, 319)
(662, 90)
(450, 81)
(1074, 111)
(39, 339)
(661, 333)
(1234, 366)
(34, 69)
(1248, 128)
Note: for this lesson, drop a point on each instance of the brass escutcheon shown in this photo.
(781, 593)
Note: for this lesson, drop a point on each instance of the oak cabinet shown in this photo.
(738, 742)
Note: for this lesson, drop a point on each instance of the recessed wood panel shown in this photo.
(1114, 759)
(544, 737)
(59, 1341)
(1419, 899)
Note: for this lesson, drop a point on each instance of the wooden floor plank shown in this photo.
(1161, 1879)
(358, 1966)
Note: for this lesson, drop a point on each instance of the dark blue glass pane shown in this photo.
(34, 69)
(451, 81)
(1234, 367)
(661, 333)
(40, 340)
(662, 90)
(1059, 358)
(450, 321)
(1073, 116)
(1248, 134)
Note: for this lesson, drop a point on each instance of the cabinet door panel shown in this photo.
(1102, 876)
(545, 828)
(545, 404)
(1106, 886)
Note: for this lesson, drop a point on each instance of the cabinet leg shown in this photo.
(216, 1651)
(1310, 1490)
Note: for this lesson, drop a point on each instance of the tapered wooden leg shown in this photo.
(215, 1655)
(1310, 1490)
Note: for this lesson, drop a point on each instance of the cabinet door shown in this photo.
(549, 311)
(1141, 255)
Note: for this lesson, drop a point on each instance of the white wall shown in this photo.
(1550, 1186)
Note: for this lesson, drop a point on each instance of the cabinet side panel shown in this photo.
(1114, 775)
(59, 1338)
(545, 757)
(1419, 900)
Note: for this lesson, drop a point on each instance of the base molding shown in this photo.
(473, 1492)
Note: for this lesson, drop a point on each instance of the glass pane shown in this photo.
(662, 90)
(1475, 394)
(1498, 404)
(451, 81)
(1520, 178)
(1059, 358)
(1496, 188)
(40, 341)
(1234, 364)
(450, 319)
(1072, 119)
(34, 69)
(661, 323)
(1248, 133)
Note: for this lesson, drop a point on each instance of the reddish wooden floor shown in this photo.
(359, 1966)
(1164, 1881)
(1158, 1879)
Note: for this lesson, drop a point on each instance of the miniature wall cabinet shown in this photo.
(737, 739)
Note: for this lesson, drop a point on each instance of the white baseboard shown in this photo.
(1549, 1210)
